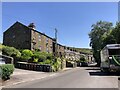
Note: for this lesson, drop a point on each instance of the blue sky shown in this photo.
(73, 20)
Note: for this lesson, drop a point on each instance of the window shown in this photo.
(39, 37)
(47, 40)
(13, 36)
(51, 45)
(47, 49)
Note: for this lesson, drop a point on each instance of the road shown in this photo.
(82, 77)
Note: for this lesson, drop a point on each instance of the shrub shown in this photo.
(47, 61)
(41, 63)
(42, 58)
(36, 54)
(53, 68)
(82, 59)
(10, 51)
(26, 54)
(63, 62)
(49, 56)
(35, 60)
(56, 64)
(6, 71)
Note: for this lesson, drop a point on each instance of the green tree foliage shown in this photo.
(26, 54)
(39, 55)
(56, 65)
(47, 61)
(84, 50)
(82, 59)
(116, 33)
(108, 38)
(96, 37)
(10, 51)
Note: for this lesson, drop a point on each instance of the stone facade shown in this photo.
(18, 36)
(61, 50)
(21, 36)
(25, 37)
(41, 42)
(72, 54)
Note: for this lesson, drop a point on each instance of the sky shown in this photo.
(73, 20)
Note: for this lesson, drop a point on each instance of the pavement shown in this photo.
(23, 76)
(82, 77)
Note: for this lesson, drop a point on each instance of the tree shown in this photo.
(26, 54)
(96, 37)
(108, 38)
(116, 33)
(10, 51)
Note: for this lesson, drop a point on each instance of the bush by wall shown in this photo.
(36, 54)
(47, 61)
(10, 51)
(6, 71)
(56, 65)
(26, 55)
(35, 60)
(43, 57)
(49, 56)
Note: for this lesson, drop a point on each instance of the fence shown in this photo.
(34, 67)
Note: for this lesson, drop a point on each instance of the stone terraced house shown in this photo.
(21, 36)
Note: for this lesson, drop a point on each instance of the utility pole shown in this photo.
(55, 42)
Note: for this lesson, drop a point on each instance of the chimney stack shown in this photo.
(32, 26)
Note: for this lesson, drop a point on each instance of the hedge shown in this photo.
(6, 70)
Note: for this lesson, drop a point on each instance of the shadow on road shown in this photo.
(95, 71)
(104, 74)
(92, 69)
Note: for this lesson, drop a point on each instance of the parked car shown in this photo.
(2, 61)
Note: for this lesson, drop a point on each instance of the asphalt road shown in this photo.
(83, 77)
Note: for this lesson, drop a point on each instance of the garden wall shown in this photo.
(34, 67)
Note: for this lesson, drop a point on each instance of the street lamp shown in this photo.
(55, 42)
